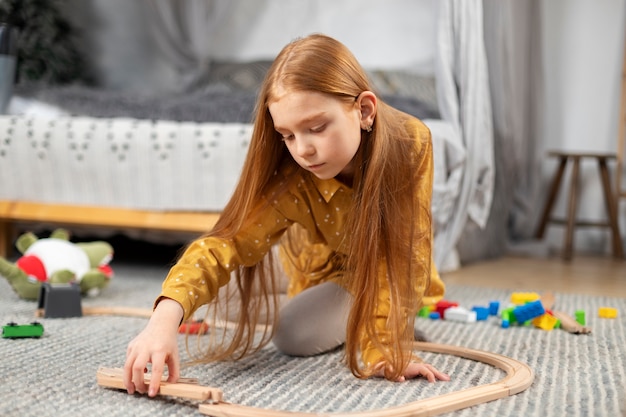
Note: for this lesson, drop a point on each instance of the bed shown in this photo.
(120, 161)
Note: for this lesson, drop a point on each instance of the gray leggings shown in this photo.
(313, 321)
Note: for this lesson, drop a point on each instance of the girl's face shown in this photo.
(321, 132)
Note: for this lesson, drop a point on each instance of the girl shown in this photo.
(342, 183)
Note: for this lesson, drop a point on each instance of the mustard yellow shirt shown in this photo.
(319, 206)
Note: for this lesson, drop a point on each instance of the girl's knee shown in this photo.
(292, 339)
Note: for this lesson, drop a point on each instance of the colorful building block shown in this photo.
(442, 305)
(434, 315)
(460, 314)
(16, 331)
(607, 312)
(580, 317)
(193, 327)
(528, 311)
(482, 313)
(545, 322)
(521, 298)
(507, 314)
(506, 317)
(425, 311)
(494, 307)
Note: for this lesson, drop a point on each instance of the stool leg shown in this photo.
(609, 199)
(554, 191)
(571, 212)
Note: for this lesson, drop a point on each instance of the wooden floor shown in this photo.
(583, 275)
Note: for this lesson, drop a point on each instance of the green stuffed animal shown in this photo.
(57, 260)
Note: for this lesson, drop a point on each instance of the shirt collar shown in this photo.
(328, 188)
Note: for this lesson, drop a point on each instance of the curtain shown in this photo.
(183, 32)
(513, 46)
(464, 102)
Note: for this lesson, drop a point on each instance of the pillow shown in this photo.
(405, 84)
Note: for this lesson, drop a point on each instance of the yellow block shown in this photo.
(521, 298)
(607, 312)
(545, 322)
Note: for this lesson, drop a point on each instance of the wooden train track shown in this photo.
(519, 376)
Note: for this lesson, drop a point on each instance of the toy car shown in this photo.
(15, 331)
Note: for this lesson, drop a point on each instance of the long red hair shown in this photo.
(382, 221)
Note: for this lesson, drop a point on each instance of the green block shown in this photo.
(580, 317)
(15, 331)
(424, 312)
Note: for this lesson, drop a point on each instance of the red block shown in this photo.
(443, 305)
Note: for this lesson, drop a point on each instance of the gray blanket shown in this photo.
(213, 103)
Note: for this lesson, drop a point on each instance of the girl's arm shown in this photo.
(156, 344)
(205, 266)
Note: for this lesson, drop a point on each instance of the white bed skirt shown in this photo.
(120, 162)
(160, 165)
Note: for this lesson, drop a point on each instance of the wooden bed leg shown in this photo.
(7, 230)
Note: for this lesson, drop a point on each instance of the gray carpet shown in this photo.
(55, 375)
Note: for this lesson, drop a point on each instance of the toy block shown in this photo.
(607, 312)
(580, 317)
(482, 313)
(60, 300)
(506, 319)
(545, 322)
(442, 305)
(425, 311)
(508, 312)
(494, 306)
(460, 314)
(434, 315)
(193, 327)
(521, 298)
(15, 331)
(528, 311)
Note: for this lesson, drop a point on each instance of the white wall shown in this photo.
(582, 44)
(582, 55)
(126, 55)
(401, 41)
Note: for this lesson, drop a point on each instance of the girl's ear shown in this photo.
(367, 104)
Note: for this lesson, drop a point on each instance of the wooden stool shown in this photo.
(570, 221)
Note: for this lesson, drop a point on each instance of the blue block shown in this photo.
(435, 315)
(494, 306)
(481, 312)
(528, 311)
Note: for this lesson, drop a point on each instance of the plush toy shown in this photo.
(57, 260)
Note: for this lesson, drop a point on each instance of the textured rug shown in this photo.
(582, 375)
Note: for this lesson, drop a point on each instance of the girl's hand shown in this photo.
(415, 370)
(156, 344)
(425, 370)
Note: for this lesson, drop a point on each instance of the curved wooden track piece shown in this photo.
(519, 376)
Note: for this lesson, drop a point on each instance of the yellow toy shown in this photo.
(545, 322)
(607, 312)
(521, 298)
